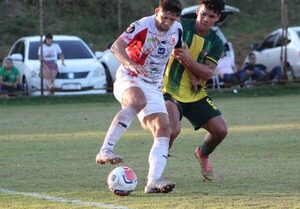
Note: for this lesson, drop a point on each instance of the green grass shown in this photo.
(48, 146)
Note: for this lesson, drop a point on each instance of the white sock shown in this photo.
(118, 126)
(158, 158)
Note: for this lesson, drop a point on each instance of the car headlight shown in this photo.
(96, 72)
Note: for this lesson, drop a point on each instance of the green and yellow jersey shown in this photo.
(176, 79)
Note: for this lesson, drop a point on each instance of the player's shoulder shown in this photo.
(212, 35)
(187, 23)
(145, 21)
(177, 25)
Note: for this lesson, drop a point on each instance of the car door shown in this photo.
(266, 52)
(18, 49)
(269, 51)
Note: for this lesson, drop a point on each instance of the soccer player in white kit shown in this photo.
(143, 50)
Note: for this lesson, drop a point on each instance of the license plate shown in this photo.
(71, 86)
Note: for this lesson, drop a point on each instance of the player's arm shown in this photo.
(203, 71)
(119, 50)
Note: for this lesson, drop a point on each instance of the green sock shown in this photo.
(206, 150)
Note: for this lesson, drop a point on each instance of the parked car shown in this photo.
(82, 73)
(268, 52)
(111, 64)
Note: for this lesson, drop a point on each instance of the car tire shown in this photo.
(109, 80)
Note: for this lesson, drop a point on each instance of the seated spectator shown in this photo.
(10, 78)
(289, 73)
(227, 71)
(259, 72)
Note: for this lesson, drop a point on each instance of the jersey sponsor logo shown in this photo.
(130, 29)
(173, 41)
(161, 50)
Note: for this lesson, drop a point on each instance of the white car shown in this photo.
(111, 64)
(82, 73)
(269, 51)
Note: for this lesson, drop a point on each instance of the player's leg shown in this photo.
(174, 118)
(133, 100)
(158, 124)
(204, 113)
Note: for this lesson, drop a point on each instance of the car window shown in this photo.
(268, 43)
(18, 48)
(298, 32)
(281, 40)
(71, 50)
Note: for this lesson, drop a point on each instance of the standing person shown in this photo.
(10, 77)
(184, 82)
(50, 53)
(143, 50)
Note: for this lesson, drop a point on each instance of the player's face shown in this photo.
(206, 18)
(164, 20)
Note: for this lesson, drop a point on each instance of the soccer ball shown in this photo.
(122, 181)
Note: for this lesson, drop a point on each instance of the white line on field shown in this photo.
(61, 199)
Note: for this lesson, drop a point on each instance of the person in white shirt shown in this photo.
(227, 71)
(51, 51)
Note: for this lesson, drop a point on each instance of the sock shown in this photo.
(206, 149)
(158, 158)
(118, 126)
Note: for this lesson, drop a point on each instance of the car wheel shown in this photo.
(109, 80)
(25, 85)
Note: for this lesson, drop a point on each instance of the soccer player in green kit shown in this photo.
(184, 81)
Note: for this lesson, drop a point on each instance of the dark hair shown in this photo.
(251, 54)
(49, 35)
(173, 6)
(215, 5)
(8, 59)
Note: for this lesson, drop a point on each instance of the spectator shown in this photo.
(227, 72)
(50, 52)
(259, 72)
(10, 78)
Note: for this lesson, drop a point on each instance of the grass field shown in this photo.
(48, 148)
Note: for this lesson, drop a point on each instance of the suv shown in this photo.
(269, 51)
(111, 64)
(82, 74)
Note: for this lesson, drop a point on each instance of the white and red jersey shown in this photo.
(150, 47)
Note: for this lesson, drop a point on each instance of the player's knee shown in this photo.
(138, 104)
(162, 129)
(222, 132)
(175, 132)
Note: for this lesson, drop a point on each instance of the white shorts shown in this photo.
(152, 91)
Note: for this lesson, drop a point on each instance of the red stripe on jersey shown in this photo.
(135, 46)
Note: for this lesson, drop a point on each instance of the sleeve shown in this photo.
(58, 49)
(180, 37)
(216, 50)
(134, 30)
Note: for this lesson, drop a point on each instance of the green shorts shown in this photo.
(199, 112)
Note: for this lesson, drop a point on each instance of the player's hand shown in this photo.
(137, 69)
(182, 54)
(196, 82)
